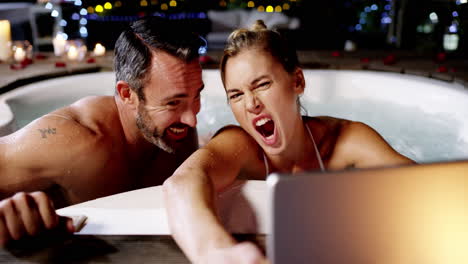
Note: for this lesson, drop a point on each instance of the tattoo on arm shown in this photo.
(49, 131)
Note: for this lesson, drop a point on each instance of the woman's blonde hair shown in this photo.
(258, 36)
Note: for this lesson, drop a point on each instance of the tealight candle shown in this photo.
(72, 53)
(22, 51)
(59, 43)
(76, 50)
(99, 50)
(5, 40)
(19, 55)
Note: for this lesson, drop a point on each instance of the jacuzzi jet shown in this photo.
(266, 127)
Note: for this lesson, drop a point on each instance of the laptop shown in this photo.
(408, 214)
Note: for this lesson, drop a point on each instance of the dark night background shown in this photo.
(324, 24)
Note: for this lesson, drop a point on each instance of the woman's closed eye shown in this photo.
(234, 96)
(263, 85)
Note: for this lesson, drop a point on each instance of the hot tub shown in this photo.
(424, 119)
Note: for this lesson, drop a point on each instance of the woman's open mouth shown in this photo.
(266, 128)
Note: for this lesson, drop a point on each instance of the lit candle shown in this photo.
(59, 43)
(72, 53)
(99, 50)
(19, 55)
(5, 40)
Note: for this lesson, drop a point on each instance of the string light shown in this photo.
(75, 16)
(54, 13)
(183, 15)
(99, 9)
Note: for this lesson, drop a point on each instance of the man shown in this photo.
(104, 145)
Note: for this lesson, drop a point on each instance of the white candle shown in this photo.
(19, 55)
(99, 50)
(72, 53)
(5, 40)
(59, 43)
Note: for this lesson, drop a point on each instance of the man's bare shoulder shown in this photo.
(55, 144)
(97, 113)
(87, 121)
(72, 127)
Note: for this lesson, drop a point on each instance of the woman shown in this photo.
(263, 82)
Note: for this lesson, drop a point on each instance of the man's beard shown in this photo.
(155, 137)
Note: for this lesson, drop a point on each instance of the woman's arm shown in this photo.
(190, 193)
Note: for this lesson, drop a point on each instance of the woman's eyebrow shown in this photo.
(233, 90)
(253, 82)
(256, 80)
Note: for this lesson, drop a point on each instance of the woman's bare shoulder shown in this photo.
(327, 121)
(332, 136)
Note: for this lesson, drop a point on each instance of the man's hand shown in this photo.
(245, 252)
(28, 214)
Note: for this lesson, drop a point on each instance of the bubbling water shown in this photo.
(421, 118)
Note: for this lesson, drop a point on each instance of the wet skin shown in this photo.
(94, 147)
(262, 96)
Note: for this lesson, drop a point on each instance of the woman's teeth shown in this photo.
(265, 126)
(262, 121)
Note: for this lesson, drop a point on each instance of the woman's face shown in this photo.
(262, 96)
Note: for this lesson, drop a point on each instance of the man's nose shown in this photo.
(189, 117)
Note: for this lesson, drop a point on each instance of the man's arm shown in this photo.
(38, 157)
(189, 196)
(29, 214)
(25, 156)
(360, 146)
